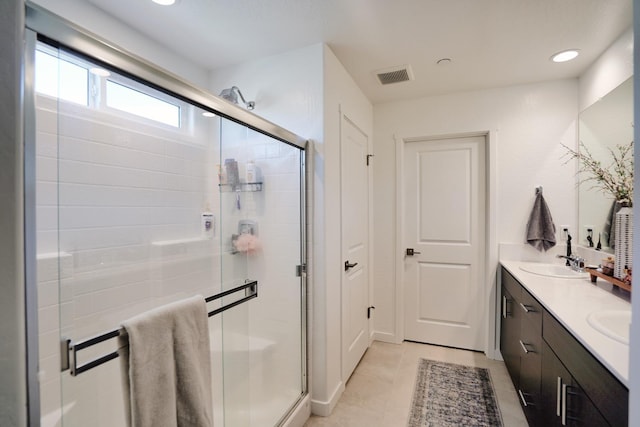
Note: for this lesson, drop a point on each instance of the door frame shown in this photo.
(490, 292)
(370, 241)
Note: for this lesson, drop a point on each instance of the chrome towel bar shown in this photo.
(69, 350)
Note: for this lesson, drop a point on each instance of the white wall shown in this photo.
(527, 125)
(341, 95)
(15, 377)
(286, 88)
(612, 68)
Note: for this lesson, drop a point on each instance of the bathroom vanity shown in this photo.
(567, 368)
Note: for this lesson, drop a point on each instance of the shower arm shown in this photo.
(250, 105)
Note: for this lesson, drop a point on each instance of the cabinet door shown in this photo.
(554, 375)
(530, 367)
(510, 336)
(562, 400)
(609, 395)
(530, 342)
(581, 411)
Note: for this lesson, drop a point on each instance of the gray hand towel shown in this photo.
(541, 231)
(166, 366)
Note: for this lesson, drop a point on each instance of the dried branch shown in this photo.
(615, 179)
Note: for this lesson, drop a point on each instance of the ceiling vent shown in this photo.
(392, 75)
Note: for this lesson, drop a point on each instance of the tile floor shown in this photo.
(379, 392)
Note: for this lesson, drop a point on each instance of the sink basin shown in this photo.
(613, 323)
(554, 270)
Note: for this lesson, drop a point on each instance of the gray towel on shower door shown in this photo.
(166, 368)
(541, 231)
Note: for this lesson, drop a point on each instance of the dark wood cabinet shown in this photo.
(559, 382)
(560, 391)
(608, 394)
(521, 343)
(510, 336)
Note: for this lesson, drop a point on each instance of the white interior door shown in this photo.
(355, 245)
(444, 219)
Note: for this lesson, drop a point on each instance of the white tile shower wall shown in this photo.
(121, 202)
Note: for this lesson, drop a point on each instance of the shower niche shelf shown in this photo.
(242, 187)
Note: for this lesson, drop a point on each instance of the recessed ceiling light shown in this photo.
(164, 2)
(444, 61)
(208, 114)
(99, 72)
(565, 55)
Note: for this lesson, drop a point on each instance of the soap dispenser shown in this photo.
(207, 223)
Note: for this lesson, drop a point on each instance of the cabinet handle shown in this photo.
(504, 306)
(524, 347)
(525, 308)
(559, 397)
(564, 404)
(524, 401)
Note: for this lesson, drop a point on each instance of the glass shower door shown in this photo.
(122, 190)
(133, 214)
(261, 226)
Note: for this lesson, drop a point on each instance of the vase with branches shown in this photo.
(614, 179)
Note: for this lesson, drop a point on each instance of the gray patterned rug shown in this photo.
(453, 395)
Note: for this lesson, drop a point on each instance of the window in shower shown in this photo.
(61, 79)
(76, 80)
(129, 100)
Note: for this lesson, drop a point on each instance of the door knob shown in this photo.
(411, 252)
(347, 266)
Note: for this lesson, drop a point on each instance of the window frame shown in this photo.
(97, 93)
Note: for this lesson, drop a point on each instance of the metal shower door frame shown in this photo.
(42, 24)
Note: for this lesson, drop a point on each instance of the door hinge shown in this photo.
(369, 311)
(368, 157)
(301, 269)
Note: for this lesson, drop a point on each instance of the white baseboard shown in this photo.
(324, 409)
(387, 337)
(497, 355)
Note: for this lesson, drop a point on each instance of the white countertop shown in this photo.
(570, 301)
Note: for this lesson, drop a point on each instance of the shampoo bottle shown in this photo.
(250, 172)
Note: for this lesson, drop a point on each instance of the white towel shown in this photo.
(166, 366)
(541, 231)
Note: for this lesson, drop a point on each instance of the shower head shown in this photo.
(231, 95)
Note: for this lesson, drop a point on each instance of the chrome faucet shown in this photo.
(574, 261)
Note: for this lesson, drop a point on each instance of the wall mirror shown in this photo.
(602, 126)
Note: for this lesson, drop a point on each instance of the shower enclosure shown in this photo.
(147, 191)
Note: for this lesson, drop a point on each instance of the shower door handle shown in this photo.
(347, 265)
